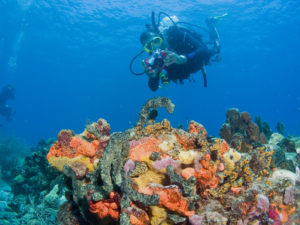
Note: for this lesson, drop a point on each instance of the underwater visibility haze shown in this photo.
(67, 62)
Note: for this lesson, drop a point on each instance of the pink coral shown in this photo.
(129, 166)
(163, 163)
(262, 206)
(195, 220)
(263, 203)
(289, 195)
(134, 143)
(275, 217)
(197, 163)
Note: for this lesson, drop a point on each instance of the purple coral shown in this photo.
(289, 195)
(163, 163)
(134, 143)
(198, 165)
(195, 220)
(263, 203)
(129, 166)
(262, 206)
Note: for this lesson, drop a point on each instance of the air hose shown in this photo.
(131, 62)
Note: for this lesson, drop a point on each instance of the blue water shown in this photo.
(68, 61)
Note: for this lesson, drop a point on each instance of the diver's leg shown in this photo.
(153, 83)
(213, 32)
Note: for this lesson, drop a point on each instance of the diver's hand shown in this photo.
(151, 74)
(172, 58)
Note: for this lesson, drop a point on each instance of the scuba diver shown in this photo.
(175, 51)
(7, 92)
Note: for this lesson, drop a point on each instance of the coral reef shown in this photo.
(38, 211)
(155, 174)
(35, 193)
(84, 149)
(280, 128)
(263, 127)
(287, 145)
(241, 133)
(247, 137)
(36, 170)
(14, 149)
(285, 152)
(7, 215)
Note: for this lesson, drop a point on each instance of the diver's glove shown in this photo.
(181, 59)
(172, 58)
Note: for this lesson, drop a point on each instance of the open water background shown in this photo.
(68, 61)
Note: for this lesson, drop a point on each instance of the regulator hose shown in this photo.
(132, 61)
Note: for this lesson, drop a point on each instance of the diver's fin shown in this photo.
(203, 70)
(220, 17)
(216, 19)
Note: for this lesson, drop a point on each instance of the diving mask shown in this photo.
(155, 43)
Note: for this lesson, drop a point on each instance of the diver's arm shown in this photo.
(172, 58)
(202, 52)
(200, 47)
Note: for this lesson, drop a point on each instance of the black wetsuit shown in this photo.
(184, 42)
